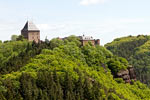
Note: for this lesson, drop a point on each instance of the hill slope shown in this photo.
(136, 49)
(66, 71)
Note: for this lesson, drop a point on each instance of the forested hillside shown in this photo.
(136, 49)
(63, 70)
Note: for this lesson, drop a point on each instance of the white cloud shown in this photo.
(92, 2)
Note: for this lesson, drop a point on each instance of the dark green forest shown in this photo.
(136, 49)
(65, 70)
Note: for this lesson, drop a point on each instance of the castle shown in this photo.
(85, 40)
(32, 33)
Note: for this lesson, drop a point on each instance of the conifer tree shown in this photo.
(87, 89)
(68, 90)
(59, 91)
(79, 88)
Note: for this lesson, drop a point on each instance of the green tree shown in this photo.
(55, 43)
(20, 38)
(68, 93)
(87, 89)
(14, 37)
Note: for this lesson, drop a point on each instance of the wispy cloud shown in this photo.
(52, 27)
(4, 27)
(92, 2)
(106, 30)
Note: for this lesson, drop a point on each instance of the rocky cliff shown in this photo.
(127, 75)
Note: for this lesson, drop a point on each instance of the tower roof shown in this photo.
(30, 26)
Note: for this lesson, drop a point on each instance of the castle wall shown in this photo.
(97, 42)
(25, 34)
(84, 42)
(94, 42)
(34, 36)
(31, 35)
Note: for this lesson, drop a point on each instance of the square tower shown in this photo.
(31, 32)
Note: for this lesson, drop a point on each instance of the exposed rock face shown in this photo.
(127, 75)
(132, 73)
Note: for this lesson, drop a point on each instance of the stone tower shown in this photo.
(31, 32)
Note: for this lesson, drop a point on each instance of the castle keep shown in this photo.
(31, 32)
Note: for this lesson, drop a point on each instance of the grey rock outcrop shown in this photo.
(127, 75)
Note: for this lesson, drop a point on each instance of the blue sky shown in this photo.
(103, 19)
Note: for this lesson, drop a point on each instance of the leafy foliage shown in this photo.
(136, 49)
(64, 70)
(116, 64)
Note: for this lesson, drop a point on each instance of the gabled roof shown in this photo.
(86, 37)
(30, 26)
